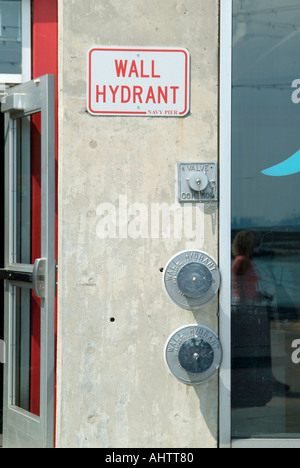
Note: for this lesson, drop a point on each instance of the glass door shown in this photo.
(29, 272)
(260, 233)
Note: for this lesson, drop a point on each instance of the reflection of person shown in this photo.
(253, 383)
(250, 327)
(244, 277)
(245, 280)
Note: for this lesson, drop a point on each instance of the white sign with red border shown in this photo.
(141, 81)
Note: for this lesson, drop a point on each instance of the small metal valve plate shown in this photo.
(191, 279)
(197, 182)
(193, 354)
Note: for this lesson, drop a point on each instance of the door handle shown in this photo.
(36, 279)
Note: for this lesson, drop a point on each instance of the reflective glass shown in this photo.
(10, 37)
(266, 219)
(28, 189)
(27, 247)
(26, 375)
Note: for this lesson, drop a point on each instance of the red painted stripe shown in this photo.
(44, 61)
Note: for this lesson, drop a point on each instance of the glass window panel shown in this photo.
(266, 219)
(28, 189)
(26, 371)
(10, 37)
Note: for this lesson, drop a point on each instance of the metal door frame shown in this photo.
(23, 100)
(225, 243)
(225, 220)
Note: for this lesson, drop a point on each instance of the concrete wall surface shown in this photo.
(114, 317)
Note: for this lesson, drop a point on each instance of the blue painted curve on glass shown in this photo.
(288, 167)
